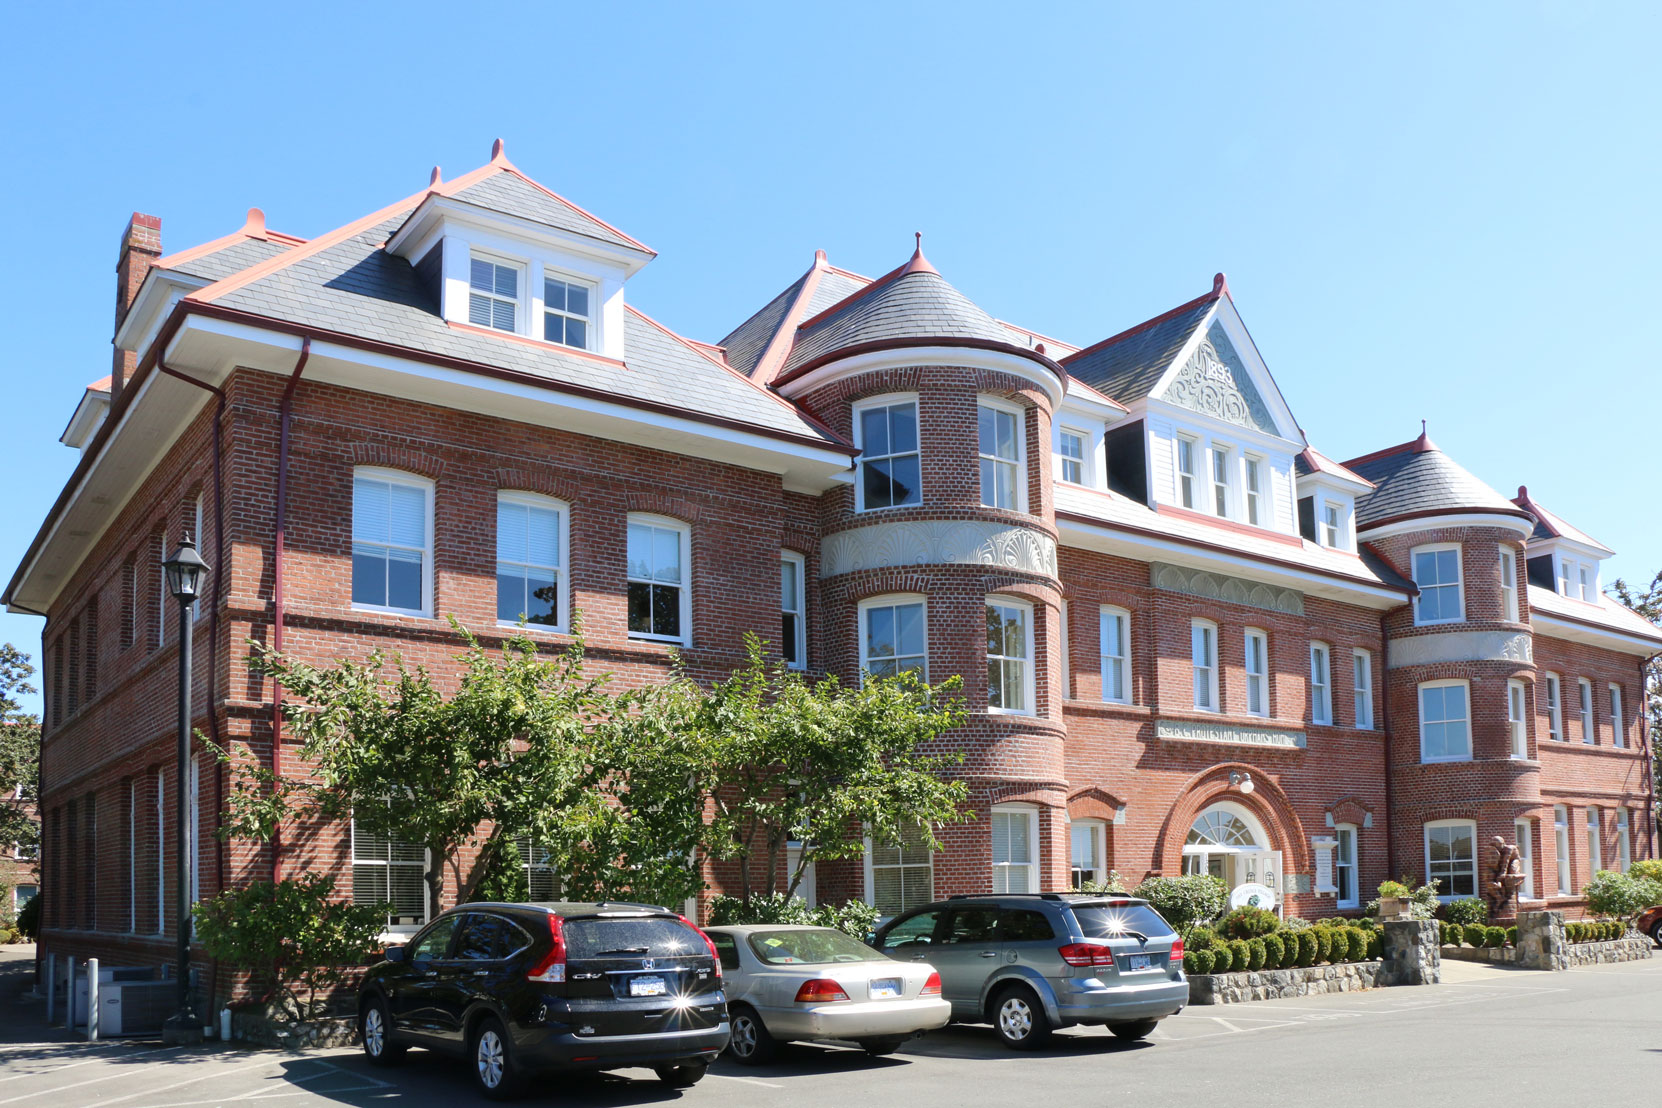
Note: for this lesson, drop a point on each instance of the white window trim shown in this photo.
(1553, 688)
(1459, 581)
(1343, 525)
(1230, 462)
(1321, 691)
(563, 547)
(1561, 849)
(1103, 613)
(414, 481)
(1029, 693)
(1354, 900)
(1624, 840)
(591, 328)
(1569, 577)
(1419, 705)
(522, 303)
(1261, 676)
(870, 892)
(1589, 726)
(1196, 449)
(1212, 678)
(1085, 451)
(1618, 737)
(1509, 584)
(1361, 683)
(1031, 812)
(1255, 501)
(1098, 830)
(887, 400)
(1595, 840)
(801, 643)
(889, 600)
(684, 531)
(1517, 718)
(1523, 830)
(1016, 410)
(426, 891)
(1425, 837)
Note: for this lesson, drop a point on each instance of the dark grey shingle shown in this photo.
(1422, 481)
(920, 305)
(513, 195)
(230, 259)
(747, 342)
(1128, 368)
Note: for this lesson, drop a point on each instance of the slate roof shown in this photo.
(747, 342)
(1128, 365)
(1549, 525)
(512, 194)
(1416, 478)
(1310, 461)
(234, 258)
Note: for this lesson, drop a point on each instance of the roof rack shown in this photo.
(990, 896)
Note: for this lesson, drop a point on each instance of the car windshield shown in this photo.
(625, 936)
(1113, 921)
(810, 948)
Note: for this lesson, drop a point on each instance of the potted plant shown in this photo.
(1394, 899)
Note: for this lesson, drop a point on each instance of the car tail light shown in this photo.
(1177, 950)
(932, 987)
(551, 968)
(1086, 954)
(709, 942)
(821, 990)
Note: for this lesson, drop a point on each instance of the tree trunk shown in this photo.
(435, 880)
(488, 855)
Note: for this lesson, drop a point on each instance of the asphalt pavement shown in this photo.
(1486, 1036)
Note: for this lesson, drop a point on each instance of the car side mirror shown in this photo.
(396, 953)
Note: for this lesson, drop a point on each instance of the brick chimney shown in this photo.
(141, 245)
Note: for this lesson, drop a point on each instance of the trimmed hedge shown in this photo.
(1256, 953)
(1275, 951)
(1474, 933)
(1248, 922)
(1494, 937)
(1198, 961)
(1307, 947)
(1466, 911)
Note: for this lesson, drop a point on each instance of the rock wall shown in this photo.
(1233, 988)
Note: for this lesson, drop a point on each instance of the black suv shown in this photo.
(517, 988)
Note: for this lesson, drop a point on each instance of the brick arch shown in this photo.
(1267, 801)
(1350, 809)
(656, 503)
(1042, 794)
(544, 484)
(397, 457)
(1092, 802)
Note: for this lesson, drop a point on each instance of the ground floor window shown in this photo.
(391, 872)
(541, 881)
(899, 875)
(1015, 849)
(1087, 849)
(1524, 831)
(1561, 846)
(1344, 865)
(21, 895)
(1451, 857)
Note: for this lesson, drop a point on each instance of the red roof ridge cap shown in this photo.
(253, 227)
(1420, 445)
(888, 278)
(1147, 323)
(499, 160)
(779, 346)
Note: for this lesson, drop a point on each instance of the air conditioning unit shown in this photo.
(127, 1008)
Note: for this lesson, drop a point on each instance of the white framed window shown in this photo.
(1187, 449)
(1577, 579)
(1508, 584)
(1445, 722)
(886, 431)
(1256, 656)
(1523, 831)
(1070, 456)
(1437, 573)
(1114, 628)
(1015, 848)
(1001, 450)
(542, 882)
(1451, 857)
(1255, 494)
(1624, 841)
(1561, 847)
(1595, 845)
(1584, 688)
(1087, 849)
(392, 541)
(567, 316)
(659, 571)
(494, 293)
(386, 871)
(1555, 706)
(1321, 683)
(1344, 865)
(1618, 733)
(1515, 717)
(1331, 525)
(1361, 675)
(894, 636)
(793, 622)
(1009, 655)
(900, 876)
(1203, 656)
(531, 552)
(1220, 481)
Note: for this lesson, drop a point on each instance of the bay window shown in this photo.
(1015, 848)
(886, 431)
(1508, 584)
(1437, 573)
(893, 637)
(1009, 655)
(1515, 725)
(999, 427)
(1523, 831)
(1445, 729)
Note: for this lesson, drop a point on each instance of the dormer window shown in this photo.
(1330, 525)
(1577, 580)
(493, 295)
(565, 314)
(1254, 489)
(1220, 481)
(1186, 448)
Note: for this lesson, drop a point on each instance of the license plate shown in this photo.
(647, 986)
(885, 988)
(1136, 961)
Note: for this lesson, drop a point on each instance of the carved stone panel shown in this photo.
(1215, 586)
(1214, 382)
(937, 542)
(1187, 731)
(1463, 646)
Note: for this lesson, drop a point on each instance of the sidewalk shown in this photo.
(23, 1018)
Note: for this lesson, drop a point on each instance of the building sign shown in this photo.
(1252, 895)
(1324, 847)
(1185, 731)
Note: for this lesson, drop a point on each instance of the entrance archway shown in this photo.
(1228, 841)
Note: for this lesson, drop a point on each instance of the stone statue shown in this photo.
(1504, 878)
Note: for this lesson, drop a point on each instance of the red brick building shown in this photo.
(1191, 641)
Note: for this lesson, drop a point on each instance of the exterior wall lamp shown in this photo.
(1242, 781)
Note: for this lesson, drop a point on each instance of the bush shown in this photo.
(1223, 959)
(28, 919)
(1240, 955)
(1395, 889)
(1185, 901)
(1465, 911)
(1324, 943)
(1114, 884)
(1646, 869)
(1256, 953)
(1474, 934)
(1617, 894)
(1572, 932)
(1494, 937)
(1360, 937)
(1204, 961)
(1376, 944)
(1275, 951)
(1247, 922)
(1307, 947)
(1511, 936)
(854, 918)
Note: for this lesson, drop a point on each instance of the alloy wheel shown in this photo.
(1015, 1019)
(375, 1032)
(743, 1042)
(488, 1057)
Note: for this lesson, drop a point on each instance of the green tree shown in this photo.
(1647, 601)
(19, 747)
(781, 759)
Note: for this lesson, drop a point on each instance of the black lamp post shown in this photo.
(185, 573)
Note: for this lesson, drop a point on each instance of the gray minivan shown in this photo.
(1029, 963)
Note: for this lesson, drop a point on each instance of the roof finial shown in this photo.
(434, 179)
(1422, 428)
(255, 226)
(499, 151)
(1424, 443)
(1523, 492)
(919, 263)
(820, 261)
(1220, 285)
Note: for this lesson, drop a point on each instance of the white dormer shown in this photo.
(1327, 495)
(1079, 452)
(1575, 571)
(1562, 556)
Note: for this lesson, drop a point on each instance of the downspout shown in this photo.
(1385, 752)
(285, 408)
(1650, 756)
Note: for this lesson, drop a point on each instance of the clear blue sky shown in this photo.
(1427, 211)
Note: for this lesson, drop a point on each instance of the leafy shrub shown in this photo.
(1223, 959)
(1275, 951)
(1511, 936)
(1473, 933)
(1466, 911)
(1256, 954)
(1646, 869)
(855, 918)
(28, 918)
(1572, 932)
(1620, 895)
(1307, 947)
(1248, 922)
(1204, 961)
(1240, 954)
(1114, 884)
(1360, 937)
(1376, 944)
(1324, 943)
(1187, 900)
(1295, 923)
(1394, 889)
(1494, 937)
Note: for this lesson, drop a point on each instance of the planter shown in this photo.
(1393, 907)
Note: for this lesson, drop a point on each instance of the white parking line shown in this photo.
(368, 1084)
(103, 1057)
(120, 1073)
(744, 1080)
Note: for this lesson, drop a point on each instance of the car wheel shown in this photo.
(750, 1044)
(1020, 1019)
(1133, 1031)
(877, 1048)
(492, 1061)
(1656, 932)
(375, 1028)
(682, 1075)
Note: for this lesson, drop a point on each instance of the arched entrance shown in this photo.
(1228, 841)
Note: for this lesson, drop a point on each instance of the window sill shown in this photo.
(532, 628)
(991, 711)
(654, 640)
(407, 613)
(1424, 761)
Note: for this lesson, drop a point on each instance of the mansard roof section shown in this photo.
(1417, 479)
(1550, 527)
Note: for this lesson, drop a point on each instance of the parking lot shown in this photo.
(1588, 1036)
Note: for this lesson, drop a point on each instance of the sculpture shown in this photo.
(1504, 878)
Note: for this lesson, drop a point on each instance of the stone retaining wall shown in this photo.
(1497, 955)
(1232, 988)
(1629, 948)
(259, 1027)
